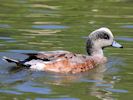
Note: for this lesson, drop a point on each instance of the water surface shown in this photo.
(42, 25)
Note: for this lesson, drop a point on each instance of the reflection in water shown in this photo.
(104, 89)
(98, 87)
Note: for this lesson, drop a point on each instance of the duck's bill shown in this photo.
(117, 45)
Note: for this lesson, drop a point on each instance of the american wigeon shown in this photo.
(68, 62)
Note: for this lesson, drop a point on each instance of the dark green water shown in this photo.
(42, 25)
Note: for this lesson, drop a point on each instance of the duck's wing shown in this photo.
(50, 56)
(46, 56)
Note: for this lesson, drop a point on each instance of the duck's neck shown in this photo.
(98, 52)
(93, 50)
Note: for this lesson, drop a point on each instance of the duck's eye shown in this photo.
(103, 36)
(106, 36)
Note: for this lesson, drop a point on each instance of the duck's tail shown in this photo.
(17, 62)
(10, 60)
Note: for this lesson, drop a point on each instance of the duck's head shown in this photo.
(99, 39)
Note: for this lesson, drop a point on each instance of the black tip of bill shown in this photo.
(121, 47)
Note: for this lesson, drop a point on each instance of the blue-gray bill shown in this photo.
(116, 44)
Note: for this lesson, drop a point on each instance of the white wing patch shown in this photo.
(36, 65)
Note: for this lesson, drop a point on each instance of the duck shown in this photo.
(61, 61)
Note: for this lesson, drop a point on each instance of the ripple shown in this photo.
(127, 26)
(116, 90)
(40, 32)
(8, 39)
(49, 26)
(23, 51)
(57, 99)
(104, 85)
(10, 92)
(125, 39)
(44, 6)
(5, 38)
(86, 80)
(4, 26)
(33, 88)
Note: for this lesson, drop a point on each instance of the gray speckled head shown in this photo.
(99, 39)
(101, 33)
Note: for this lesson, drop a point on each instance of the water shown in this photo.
(42, 25)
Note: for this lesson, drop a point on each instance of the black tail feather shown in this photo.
(10, 60)
(19, 63)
